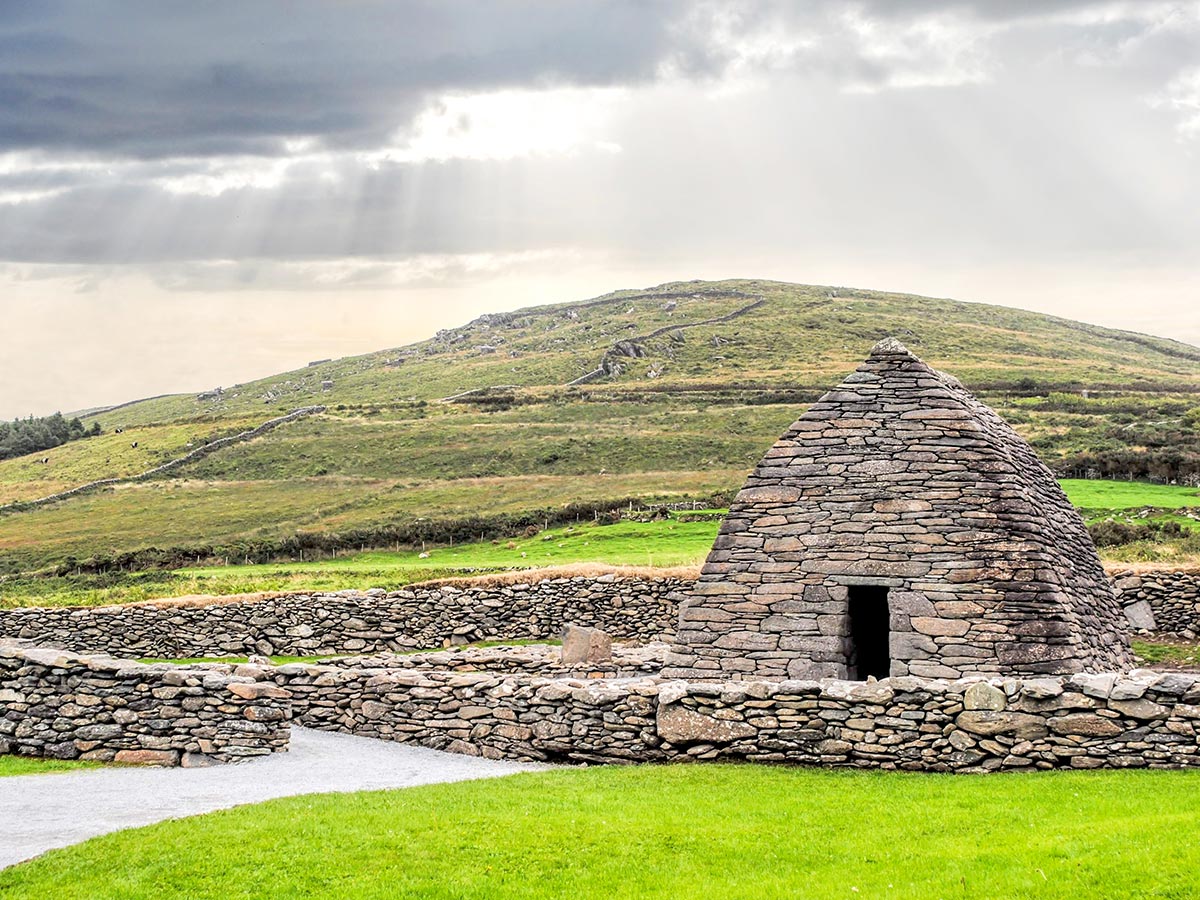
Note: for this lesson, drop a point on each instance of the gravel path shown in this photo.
(41, 812)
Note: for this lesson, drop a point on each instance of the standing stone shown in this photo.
(1140, 616)
(585, 645)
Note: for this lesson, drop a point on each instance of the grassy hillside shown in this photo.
(685, 386)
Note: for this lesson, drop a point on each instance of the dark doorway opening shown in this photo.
(869, 654)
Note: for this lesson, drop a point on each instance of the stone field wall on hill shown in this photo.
(420, 617)
(64, 706)
(1083, 721)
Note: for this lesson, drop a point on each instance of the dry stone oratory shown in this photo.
(899, 527)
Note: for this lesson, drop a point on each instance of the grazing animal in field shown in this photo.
(134, 445)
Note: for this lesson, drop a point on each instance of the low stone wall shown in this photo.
(1161, 601)
(64, 706)
(420, 617)
(1084, 721)
(627, 661)
(429, 616)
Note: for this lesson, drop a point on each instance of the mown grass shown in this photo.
(677, 832)
(24, 765)
(1120, 495)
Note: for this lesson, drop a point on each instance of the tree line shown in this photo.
(37, 433)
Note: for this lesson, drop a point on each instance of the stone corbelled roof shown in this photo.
(900, 477)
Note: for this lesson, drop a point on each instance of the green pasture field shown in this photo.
(197, 514)
(1127, 495)
(659, 543)
(108, 455)
(687, 416)
(674, 832)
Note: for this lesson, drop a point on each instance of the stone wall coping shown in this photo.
(1100, 685)
(408, 592)
(171, 673)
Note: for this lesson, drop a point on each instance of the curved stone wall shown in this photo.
(1085, 721)
(64, 706)
(420, 617)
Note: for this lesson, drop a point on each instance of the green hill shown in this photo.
(667, 393)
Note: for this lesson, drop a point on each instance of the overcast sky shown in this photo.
(195, 194)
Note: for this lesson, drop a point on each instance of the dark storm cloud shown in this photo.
(185, 78)
(161, 79)
(115, 110)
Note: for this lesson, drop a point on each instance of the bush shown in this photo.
(1116, 534)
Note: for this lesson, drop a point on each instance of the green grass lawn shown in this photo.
(23, 765)
(626, 543)
(1114, 495)
(672, 832)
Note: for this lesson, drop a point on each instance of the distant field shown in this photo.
(666, 543)
(1110, 495)
(164, 514)
(659, 543)
(681, 832)
(195, 514)
(108, 455)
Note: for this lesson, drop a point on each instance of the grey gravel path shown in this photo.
(41, 812)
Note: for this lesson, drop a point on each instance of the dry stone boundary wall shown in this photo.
(1173, 599)
(65, 706)
(421, 617)
(1084, 721)
(523, 705)
(169, 466)
(425, 617)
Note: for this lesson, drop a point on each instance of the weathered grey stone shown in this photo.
(148, 757)
(680, 725)
(1139, 709)
(987, 722)
(982, 695)
(922, 491)
(1140, 616)
(583, 645)
(1085, 724)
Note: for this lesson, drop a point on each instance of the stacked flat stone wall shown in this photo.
(1173, 599)
(542, 659)
(420, 617)
(64, 706)
(900, 479)
(1082, 721)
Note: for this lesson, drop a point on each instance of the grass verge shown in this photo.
(24, 765)
(703, 831)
